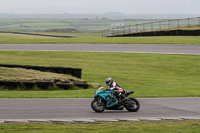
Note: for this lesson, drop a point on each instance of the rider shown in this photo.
(114, 86)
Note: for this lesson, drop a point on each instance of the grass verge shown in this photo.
(149, 75)
(186, 126)
(6, 38)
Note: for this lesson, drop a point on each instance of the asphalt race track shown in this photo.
(70, 110)
(80, 110)
(135, 48)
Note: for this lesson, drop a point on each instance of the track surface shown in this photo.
(71, 109)
(80, 108)
(135, 48)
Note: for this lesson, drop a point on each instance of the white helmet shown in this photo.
(109, 81)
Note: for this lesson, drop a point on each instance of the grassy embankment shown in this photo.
(185, 126)
(149, 75)
(95, 38)
(23, 75)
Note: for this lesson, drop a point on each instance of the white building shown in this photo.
(117, 24)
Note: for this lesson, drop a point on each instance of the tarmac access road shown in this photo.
(133, 48)
(67, 109)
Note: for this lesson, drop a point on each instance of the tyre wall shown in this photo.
(76, 72)
(165, 33)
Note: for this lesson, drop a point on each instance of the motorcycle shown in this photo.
(105, 99)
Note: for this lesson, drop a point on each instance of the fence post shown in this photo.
(151, 25)
(129, 29)
(169, 26)
(102, 34)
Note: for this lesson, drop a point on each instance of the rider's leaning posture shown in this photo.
(119, 91)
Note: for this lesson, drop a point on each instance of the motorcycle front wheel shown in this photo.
(98, 107)
(134, 106)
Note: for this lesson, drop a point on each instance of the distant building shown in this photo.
(117, 24)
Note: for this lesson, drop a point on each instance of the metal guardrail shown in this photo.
(152, 26)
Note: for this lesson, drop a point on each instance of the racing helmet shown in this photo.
(109, 81)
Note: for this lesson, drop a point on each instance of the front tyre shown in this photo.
(134, 106)
(98, 107)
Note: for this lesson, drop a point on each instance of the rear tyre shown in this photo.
(134, 106)
(98, 107)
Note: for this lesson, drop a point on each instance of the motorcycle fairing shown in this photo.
(108, 97)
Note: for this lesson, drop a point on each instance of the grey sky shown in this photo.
(101, 6)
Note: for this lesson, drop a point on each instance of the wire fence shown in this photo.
(152, 26)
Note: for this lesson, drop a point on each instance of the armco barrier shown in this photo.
(76, 72)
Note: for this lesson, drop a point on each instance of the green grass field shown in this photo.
(46, 24)
(149, 75)
(95, 38)
(185, 126)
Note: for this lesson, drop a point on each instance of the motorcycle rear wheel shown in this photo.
(98, 107)
(134, 107)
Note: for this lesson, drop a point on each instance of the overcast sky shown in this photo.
(101, 6)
